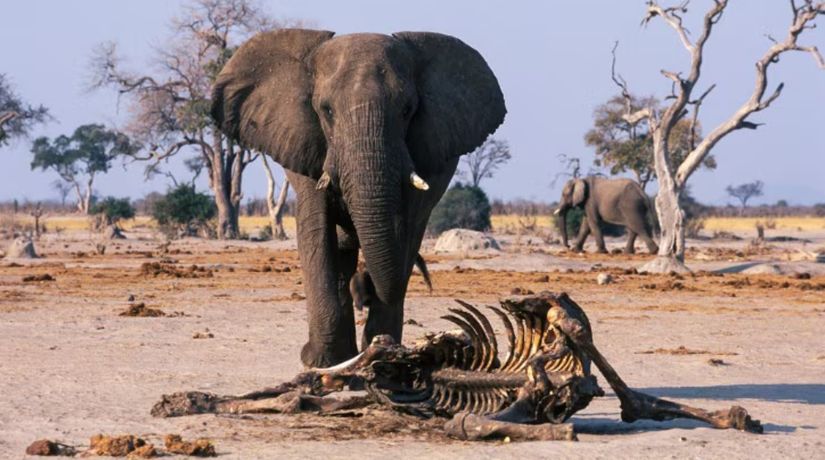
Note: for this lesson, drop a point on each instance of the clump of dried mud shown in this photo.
(37, 278)
(201, 447)
(140, 310)
(167, 269)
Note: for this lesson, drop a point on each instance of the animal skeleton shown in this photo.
(543, 379)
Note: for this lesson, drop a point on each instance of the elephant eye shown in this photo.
(327, 111)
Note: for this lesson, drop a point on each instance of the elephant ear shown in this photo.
(459, 100)
(579, 192)
(263, 99)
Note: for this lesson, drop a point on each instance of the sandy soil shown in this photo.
(71, 367)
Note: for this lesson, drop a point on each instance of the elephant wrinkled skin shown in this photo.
(369, 128)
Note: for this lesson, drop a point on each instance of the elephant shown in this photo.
(614, 201)
(369, 129)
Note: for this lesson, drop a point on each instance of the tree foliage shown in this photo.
(621, 146)
(463, 206)
(78, 158)
(744, 192)
(485, 160)
(114, 209)
(171, 107)
(17, 118)
(183, 210)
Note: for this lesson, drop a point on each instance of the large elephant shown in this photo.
(614, 201)
(370, 129)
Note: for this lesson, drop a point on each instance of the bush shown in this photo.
(112, 210)
(463, 206)
(574, 222)
(184, 211)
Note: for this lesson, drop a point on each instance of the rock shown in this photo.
(463, 240)
(21, 248)
(763, 269)
(604, 278)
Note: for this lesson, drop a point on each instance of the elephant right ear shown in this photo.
(263, 99)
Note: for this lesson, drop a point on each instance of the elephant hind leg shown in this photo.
(631, 242)
(642, 229)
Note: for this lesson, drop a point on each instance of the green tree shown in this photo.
(171, 107)
(16, 117)
(621, 146)
(463, 206)
(114, 209)
(183, 210)
(78, 158)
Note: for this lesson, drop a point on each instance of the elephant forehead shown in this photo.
(357, 56)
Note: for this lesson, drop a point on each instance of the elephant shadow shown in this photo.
(789, 393)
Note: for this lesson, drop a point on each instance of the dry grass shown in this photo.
(749, 223)
(252, 224)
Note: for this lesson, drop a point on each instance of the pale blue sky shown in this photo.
(551, 57)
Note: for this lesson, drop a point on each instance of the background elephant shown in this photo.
(369, 128)
(615, 201)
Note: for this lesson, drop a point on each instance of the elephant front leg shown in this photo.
(327, 270)
(596, 228)
(584, 231)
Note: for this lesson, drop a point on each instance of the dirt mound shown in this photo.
(21, 248)
(201, 447)
(167, 269)
(462, 240)
(120, 446)
(140, 310)
(764, 269)
(46, 448)
(36, 278)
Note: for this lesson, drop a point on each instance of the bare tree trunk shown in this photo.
(671, 256)
(275, 207)
(221, 186)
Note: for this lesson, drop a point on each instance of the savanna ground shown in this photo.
(71, 366)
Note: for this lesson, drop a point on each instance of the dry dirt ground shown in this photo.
(71, 366)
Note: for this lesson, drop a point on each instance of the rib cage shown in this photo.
(465, 371)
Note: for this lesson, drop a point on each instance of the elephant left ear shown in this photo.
(459, 100)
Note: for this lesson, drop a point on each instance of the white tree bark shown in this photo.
(275, 206)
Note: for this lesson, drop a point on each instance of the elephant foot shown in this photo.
(313, 355)
(629, 251)
(578, 250)
(602, 250)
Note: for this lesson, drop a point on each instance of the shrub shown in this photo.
(112, 210)
(574, 222)
(183, 211)
(463, 206)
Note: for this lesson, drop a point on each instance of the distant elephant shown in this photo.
(370, 129)
(614, 201)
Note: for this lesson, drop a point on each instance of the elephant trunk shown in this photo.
(373, 168)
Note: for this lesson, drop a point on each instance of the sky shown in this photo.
(552, 59)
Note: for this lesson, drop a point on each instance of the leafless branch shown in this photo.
(803, 17)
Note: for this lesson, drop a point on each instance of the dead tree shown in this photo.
(37, 213)
(171, 107)
(483, 161)
(744, 192)
(672, 178)
(275, 206)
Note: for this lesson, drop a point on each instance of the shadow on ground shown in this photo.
(798, 393)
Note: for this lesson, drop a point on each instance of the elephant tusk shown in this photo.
(338, 367)
(418, 182)
(557, 211)
(323, 182)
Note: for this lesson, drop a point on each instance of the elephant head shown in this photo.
(375, 119)
(573, 194)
